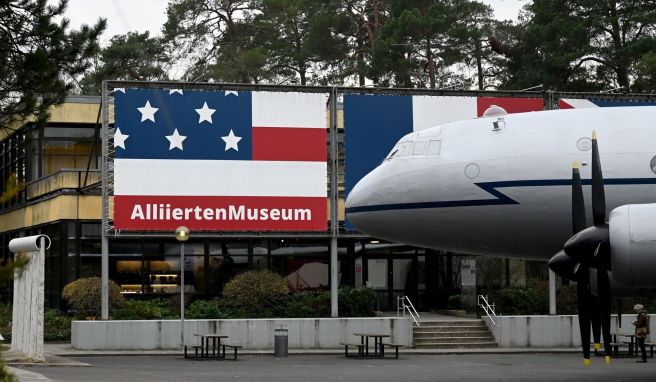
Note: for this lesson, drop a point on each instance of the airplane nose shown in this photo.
(365, 194)
(352, 197)
(359, 195)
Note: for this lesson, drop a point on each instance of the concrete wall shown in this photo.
(27, 314)
(256, 334)
(550, 331)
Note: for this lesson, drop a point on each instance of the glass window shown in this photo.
(404, 149)
(61, 154)
(418, 148)
(434, 148)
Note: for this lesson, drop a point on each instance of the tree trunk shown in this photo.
(360, 62)
(431, 63)
(479, 64)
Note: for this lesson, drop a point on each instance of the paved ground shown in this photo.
(319, 368)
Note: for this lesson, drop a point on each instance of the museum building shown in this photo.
(51, 175)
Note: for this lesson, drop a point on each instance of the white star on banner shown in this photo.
(231, 141)
(171, 91)
(122, 90)
(147, 112)
(119, 138)
(176, 140)
(205, 113)
(228, 92)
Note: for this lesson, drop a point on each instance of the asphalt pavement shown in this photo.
(334, 367)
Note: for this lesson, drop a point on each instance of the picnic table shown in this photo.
(218, 349)
(631, 342)
(363, 345)
(378, 340)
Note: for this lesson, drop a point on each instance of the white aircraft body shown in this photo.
(502, 185)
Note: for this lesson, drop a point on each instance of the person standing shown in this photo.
(642, 329)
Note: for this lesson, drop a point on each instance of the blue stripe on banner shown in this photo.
(202, 140)
(615, 103)
(372, 126)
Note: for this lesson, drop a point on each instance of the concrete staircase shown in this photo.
(453, 334)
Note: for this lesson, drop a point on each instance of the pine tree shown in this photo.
(41, 58)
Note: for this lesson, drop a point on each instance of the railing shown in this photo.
(487, 308)
(65, 179)
(404, 304)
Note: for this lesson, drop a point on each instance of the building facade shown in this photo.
(51, 177)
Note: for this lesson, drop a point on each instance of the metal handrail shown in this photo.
(402, 306)
(487, 308)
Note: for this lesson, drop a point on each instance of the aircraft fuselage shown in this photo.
(504, 190)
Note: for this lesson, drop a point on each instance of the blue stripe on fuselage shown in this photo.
(492, 188)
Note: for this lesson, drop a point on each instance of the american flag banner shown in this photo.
(220, 160)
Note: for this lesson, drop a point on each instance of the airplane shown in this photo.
(512, 185)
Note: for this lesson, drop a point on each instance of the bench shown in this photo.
(196, 349)
(616, 345)
(233, 347)
(392, 345)
(359, 346)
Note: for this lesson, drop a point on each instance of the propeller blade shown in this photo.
(578, 205)
(595, 320)
(582, 294)
(598, 196)
(603, 290)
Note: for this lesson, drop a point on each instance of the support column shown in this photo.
(334, 198)
(104, 251)
(552, 292)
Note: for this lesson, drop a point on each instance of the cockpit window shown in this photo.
(434, 148)
(404, 148)
(419, 147)
(399, 150)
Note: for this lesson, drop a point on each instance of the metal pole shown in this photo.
(104, 262)
(182, 285)
(552, 292)
(334, 224)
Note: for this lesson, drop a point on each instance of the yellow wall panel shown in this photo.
(75, 113)
(51, 210)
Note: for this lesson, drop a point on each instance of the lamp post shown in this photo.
(182, 235)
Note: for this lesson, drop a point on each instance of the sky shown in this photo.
(149, 15)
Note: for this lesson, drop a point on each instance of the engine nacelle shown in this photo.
(633, 244)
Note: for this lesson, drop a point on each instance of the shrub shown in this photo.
(5, 322)
(84, 295)
(566, 299)
(56, 326)
(307, 304)
(155, 309)
(5, 375)
(258, 292)
(356, 302)
(515, 300)
(454, 302)
(203, 309)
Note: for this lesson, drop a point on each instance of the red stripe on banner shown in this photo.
(511, 105)
(564, 105)
(225, 213)
(289, 144)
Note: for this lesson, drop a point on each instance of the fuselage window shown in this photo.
(434, 148)
(418, 148)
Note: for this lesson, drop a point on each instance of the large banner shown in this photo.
(582, 103)
(374, 123)
(220, 160)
